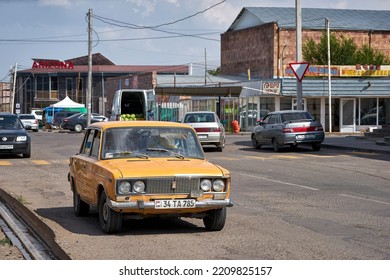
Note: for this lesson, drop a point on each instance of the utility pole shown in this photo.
(299, 49)
(205, 66)
(89, 90)
(13, 89)
(329, 76)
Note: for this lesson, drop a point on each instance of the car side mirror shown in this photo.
(259, 122)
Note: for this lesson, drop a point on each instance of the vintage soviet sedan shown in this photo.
(147, 169)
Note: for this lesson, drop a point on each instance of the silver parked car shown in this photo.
(291, 128)
(208, 127)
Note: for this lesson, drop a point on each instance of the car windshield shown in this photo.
(10, 122)
(149, 142)
(296, 116)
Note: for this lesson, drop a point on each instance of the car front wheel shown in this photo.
(110, 221)
(215, 220)
(255, 144)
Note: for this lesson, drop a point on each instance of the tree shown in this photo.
(344, 51)
(215, 72)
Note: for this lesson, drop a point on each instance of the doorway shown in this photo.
(348, 115)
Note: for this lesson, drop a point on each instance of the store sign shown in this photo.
(53, 64)
(344, 71)
(271, 87)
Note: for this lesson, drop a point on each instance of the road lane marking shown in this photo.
(40, 162)
(362, 198)
(277, 181)
(286, 156)
(5, 162)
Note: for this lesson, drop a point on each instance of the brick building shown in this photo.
(261, 42)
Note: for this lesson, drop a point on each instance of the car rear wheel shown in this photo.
(316, 146)
(78, 127)
(276, 145)
(255, 144)
(110, 221)
(80, 208)
(215, 220)
(221, 145)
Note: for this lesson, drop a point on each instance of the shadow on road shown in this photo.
(89, 225)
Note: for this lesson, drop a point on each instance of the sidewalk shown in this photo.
(357, 143)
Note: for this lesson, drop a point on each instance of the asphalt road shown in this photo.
(301, 204)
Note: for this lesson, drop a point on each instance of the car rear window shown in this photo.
(27, 117)
(194, 118)
(296, 116)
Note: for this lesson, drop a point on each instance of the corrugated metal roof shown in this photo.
(314, 18)
(194, 81)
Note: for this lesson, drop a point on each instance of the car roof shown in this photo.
(287, 111)
(114, 124)
(201, 112)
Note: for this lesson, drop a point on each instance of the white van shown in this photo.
(133, 104)
(38, 115)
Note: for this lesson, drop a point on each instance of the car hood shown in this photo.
(165, 167)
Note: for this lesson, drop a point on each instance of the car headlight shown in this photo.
(21, 138)
(139, 186)
(218, 185)
(124, 187)
(205, 185)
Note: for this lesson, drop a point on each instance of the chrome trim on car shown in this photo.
(199, 204)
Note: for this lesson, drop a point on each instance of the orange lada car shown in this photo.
(147, 169)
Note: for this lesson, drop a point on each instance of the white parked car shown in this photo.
(208, 127)
(29, 122)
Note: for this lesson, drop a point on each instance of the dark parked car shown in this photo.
(60, 116)
(288, 128)
(78, 122)
(14, 138)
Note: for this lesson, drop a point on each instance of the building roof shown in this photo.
(313, 18)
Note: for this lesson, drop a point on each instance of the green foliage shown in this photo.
(215, 72)
(343, 51)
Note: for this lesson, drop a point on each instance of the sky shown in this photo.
(130, 32)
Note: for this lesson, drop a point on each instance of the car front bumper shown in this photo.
(140, 204)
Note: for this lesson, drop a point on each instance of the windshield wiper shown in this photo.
(165, 151)
(128, 153)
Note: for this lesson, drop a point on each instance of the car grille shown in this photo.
(177, 185)
(9, 138)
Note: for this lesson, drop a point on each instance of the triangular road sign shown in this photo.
(299, 69)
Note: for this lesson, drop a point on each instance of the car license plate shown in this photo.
(6, 147)
(305, 136)
(177, 203)
(202, 136)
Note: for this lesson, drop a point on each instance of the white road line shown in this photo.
(277, 181)
(367, 199)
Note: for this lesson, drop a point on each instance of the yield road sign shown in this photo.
(299, 69)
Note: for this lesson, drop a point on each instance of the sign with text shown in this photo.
(56, 64)
(271, 87)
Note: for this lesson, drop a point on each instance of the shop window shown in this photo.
(368, 111)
